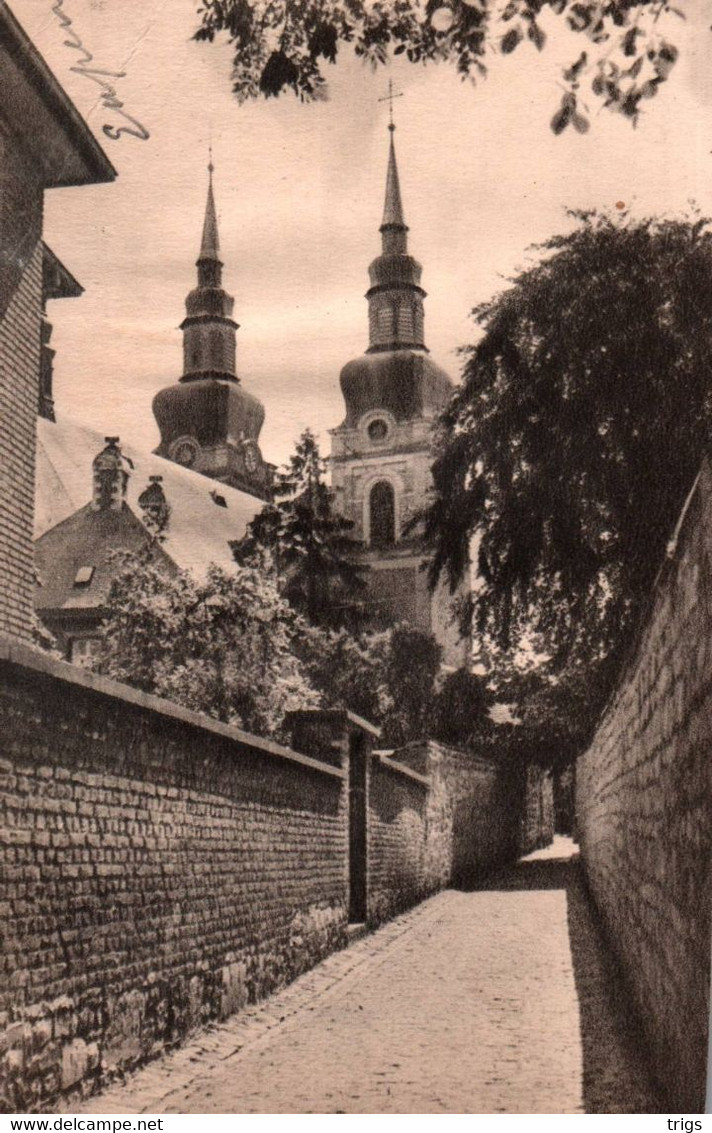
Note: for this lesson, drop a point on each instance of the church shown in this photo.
(209, 477)
(381, 453)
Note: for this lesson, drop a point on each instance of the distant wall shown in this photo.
(158, 870)
(20, 314)
(538, 810)
(644, 810)
(473, 815)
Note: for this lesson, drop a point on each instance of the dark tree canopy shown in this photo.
(460, 709)
(585, 411)
(622, 55)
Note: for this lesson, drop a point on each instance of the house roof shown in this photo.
(41, 114)
(57, 280)
(205, 515)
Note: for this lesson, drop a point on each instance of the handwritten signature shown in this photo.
(98, 75)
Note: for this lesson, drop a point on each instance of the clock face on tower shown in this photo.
(185, 451)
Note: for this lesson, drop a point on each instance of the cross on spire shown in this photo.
(389, 99)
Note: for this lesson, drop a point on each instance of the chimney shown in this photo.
(110, 477)
(155, 507)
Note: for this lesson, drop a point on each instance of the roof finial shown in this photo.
(393, 210)
(389, 99)
(211, 167)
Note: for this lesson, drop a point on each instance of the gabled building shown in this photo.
(96, 498)
(381, 453)
(44, 144)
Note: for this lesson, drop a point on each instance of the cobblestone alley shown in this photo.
(499, 1000)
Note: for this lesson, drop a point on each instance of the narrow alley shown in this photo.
(500, 1000)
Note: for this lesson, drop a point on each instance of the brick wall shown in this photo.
(158, 871)
(20, 315)
(644, 810)
(397, 835)
(473, 813)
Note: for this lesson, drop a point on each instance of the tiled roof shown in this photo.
(200, 525)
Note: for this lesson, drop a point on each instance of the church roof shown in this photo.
(406, 383)
(210, 243)
(205, 515)
(393, 208)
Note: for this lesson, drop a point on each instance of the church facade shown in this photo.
(381, 453)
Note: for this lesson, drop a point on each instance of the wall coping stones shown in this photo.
(423, 750)
(384, 760)
(21, 656)
(336, 716)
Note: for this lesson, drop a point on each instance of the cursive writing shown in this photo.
(101, 77)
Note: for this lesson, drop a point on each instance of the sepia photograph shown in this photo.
(355, 557)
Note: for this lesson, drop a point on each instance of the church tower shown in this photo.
(208, 421)
(381, 453)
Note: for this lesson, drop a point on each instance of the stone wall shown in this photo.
(644, 810)
(20, 312)
(158, 870)
(473, 813)
(397, 839)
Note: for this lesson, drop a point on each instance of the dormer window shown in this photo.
(84, 576)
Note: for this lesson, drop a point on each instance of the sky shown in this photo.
(299, 191)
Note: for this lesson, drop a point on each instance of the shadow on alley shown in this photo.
(614, 1064)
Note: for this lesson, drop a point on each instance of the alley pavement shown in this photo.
(498, 1000)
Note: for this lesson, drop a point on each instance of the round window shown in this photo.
(378, 429)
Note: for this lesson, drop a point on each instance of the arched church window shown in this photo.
(382, 505)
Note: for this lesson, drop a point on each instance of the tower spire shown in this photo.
(395, 297)
(208, 422)
(393, 208)
(210, 244)
(209, 328)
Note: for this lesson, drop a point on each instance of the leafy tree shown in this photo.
(306, 539)
(348, 669)
(460, 708)
(412, 668)
(576, 434)
(222, 646)
(390, 677)
(553, 714)
(283, 44)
